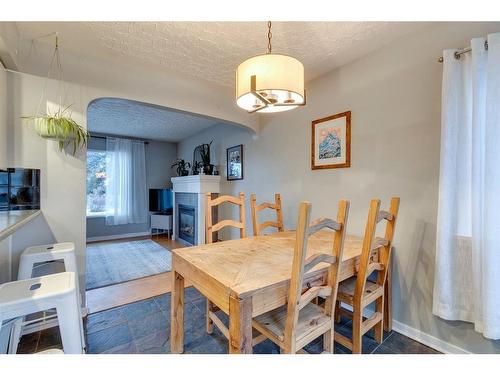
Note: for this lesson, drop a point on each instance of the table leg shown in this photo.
(388, 300)
(240, 325)
(177, 314)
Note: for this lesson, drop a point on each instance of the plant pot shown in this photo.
(184, 173)
(55, 133)
(208, 169)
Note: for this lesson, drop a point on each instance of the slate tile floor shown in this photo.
(144, 327)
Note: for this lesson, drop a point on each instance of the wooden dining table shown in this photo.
(250, 276)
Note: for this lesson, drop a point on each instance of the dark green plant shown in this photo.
(205, 153)
(197, 165)
(181, 165)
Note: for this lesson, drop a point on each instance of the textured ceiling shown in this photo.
(145, 121)
(211, 51)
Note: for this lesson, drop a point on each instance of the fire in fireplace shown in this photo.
(186, 223)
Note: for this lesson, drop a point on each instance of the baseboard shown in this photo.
(426, 339)
(117, 236)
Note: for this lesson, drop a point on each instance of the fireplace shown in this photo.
(190, 193)
(186, 223)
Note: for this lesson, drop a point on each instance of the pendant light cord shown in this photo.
(269, 36)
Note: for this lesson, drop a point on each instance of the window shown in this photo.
(96, 183)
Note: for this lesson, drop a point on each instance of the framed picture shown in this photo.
(235, 163)
(331, 142)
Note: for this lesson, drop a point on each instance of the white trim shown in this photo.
(426, 339)
(117, 236)
(200, 184)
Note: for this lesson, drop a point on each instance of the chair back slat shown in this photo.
(384, 215)
(385, 252)
(382, 245)
(322, 224)
(211, 227)
(318, 258)
(299, 298)
(256, 208)
(312, 293)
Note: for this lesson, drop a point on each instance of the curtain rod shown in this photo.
(132, 139)
(460, 52)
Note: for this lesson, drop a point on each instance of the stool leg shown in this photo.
(71, 266)
(24, 272)
(68, 314)
(25, 269)
(15, 335)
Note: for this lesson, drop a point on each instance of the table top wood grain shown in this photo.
(249, 265)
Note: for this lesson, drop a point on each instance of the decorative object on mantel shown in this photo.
(331, 142)
(235, 163)
(270, 82)
(197, 163)
(197, 167)
(58, 126)
(204, 150)
(182, 167)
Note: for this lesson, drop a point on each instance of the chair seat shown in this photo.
(347, 287)
(311, 318)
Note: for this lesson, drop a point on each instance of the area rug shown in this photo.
(115, 262)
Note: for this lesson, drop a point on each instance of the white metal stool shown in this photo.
(23, 297)
(30, 257)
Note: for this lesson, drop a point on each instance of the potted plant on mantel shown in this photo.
(182, 167)
(59, 126)
(197, 165)
(205, 158)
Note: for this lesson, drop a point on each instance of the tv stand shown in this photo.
(161, 222)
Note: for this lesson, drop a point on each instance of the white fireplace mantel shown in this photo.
(200, 185)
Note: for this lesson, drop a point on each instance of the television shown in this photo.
(19, 189)
(160, 200)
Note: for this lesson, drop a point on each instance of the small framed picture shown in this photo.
(331, 142)
(235, 163)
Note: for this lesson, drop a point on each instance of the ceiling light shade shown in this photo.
(270, 83)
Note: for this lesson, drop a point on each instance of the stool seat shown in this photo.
(38, 288)
(45, 253)
(56, 291)
(30, 259)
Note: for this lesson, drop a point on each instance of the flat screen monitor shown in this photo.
(160, 200)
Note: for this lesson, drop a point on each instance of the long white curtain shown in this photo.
(125, 182)
(467, 278)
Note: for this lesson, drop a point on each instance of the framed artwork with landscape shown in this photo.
(331, 142)
(235, 163)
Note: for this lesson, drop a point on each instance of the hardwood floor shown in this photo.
(135, 290)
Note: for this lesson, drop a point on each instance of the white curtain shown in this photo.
(467, 278)
(125, 182)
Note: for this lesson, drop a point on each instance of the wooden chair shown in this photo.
(211, 228)
(299, 322)
(278, 224)
(359, 292)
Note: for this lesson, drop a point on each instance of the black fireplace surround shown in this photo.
(186, 222)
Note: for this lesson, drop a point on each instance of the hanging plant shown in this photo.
(59, 126)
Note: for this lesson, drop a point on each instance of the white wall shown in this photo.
(394, 96)
(63, 177)
(3, 117)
